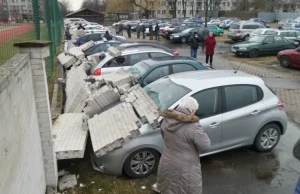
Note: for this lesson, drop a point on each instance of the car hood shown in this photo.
(288, 51)
(246, 44)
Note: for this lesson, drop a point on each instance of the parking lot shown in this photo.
(233, 172)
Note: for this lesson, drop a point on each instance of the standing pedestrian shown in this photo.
(129, 30)
(68, 36)
(156, 31)
(210, 44)
(117, 29)
(138, 30)
(194, 43)
(184, 139)
(143, 29)
(151, 31)
(107, 36)
(80, 27)
(121, 29)
(296, 153)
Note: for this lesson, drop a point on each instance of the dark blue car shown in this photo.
(184, 36)
(97, 37)
(153, 69)
(259, 20)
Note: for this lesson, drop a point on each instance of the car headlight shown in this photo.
(176, 36)
(243, 48)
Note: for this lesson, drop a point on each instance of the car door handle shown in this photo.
(214, 125)
(256, 112)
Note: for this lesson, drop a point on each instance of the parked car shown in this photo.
(289, 58)
(100, 46)
(236, 110)
(217, 31)
(116, 58)
(263, 31)
(287, 26)
(153, 69)
(290, 35)
(295, 26)
(259, 20)
(167, 34)
(120, 22)
(242, 30)
(215, 22)
(285, 21)
(97, 37)
(94, 29)
(149, 45)
(184, 36)
(161, 26)
(262, 45)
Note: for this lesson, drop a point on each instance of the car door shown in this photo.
(267, 46)
(243, 110)
(209, 112)
(154, 75)
(279, 44)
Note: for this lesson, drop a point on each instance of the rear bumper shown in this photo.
(235, 37)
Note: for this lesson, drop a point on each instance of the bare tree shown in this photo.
(97, 5)
(119, 6)
(146, 5)
(65, 7)
(184, 2)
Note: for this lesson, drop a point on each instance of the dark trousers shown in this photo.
(138, 34)
(144, 35)
(121, 32)
(151, 35)
(194, 53)
(210, 57)
(129, 33)
(297, 190)
(156, 35)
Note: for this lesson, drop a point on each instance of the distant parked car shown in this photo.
(217, 31)
(295, 26)
(97, 37)
(262, 45)
(285, 21)
(237, 110)
(167, 34)
(263, 31)
(153, 69)
(120, 22)
(161, 27)
(215, 22)
(184, 36)
(242, 30)
(290, 35)
(116, 58)
(289, 58)
(100, 46)
(259, 20)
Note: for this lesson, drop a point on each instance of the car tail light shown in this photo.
(97, 72)
(280, 105)
(176, 53)
(239, 32)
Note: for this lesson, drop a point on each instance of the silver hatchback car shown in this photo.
(235, 110)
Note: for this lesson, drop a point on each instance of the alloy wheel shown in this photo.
(143, 162)
(269, 138)
(284, 61)
(254, 53)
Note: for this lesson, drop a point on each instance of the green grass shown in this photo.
(3, 28)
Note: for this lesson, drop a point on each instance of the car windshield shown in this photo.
(187, 30)
(257, 39)
(165, 93)
(138, 69)
(235, 26)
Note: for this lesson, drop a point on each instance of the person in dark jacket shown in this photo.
(179, 169)
(128, 27)
(296, 153)
(151, 31)
(107, 36)
(68, 36)
(121, 29)
(138, 30)
(143, 29)
(156, 31)
(194, 43)
(80, 27)
(210, 44)
(117, 29)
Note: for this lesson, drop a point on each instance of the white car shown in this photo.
(264, 31)
(215, 22)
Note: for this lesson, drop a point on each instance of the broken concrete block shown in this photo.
(69, 137)
(76, 52)
(51, 190)
(86, 46)
(63, 172)
(66, 182)
(95, 58)
(66, 61)
(110, 129)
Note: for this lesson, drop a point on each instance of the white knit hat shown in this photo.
(189, 103)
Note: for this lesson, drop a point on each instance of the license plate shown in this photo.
(233, 50)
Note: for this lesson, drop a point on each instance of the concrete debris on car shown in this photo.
(66, 182)
(112, 107)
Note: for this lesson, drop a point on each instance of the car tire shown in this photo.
(246, 38)
(263, 141)
(253, 53)
(183, 40)
(284, 61)
(139, 157)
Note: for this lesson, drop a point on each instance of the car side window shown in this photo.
(270, 32)
(135, 58)
(156, 74)
(95, 37)
(285, 34)
(278, 39)
(292, 34)
(84, 38)
(177, 68)
(156, 54)
(247, 27)
(240, 96)
(116, 62)
(269, 40)
(208, 101)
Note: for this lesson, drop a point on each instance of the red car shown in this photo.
(289, 58)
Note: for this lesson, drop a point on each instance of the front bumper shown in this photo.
(175, 39)
(240, 52)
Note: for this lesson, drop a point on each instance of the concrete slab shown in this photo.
(69, 137)
(66, 60)
(67, 181)
(87, 45)
(76, 52)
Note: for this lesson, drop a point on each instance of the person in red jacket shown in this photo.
(210, 44)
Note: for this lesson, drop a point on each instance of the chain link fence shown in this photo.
(30, 20)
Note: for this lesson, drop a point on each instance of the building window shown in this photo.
(179, 3)
(163, 12)
(191, 12)
(224, 4)
(158, 11)
(197, 12)
(199, 4)
(228, 4)
(179, 11)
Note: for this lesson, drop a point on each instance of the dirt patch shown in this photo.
(260, 61)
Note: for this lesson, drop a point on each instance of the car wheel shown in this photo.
(246, 38)
(141, 163)
(253, 53)
(285, 61)
(183, 40)
(267, 138)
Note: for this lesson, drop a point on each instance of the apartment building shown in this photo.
(3, 11)
(20, 9)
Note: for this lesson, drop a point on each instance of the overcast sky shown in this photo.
(76, 4)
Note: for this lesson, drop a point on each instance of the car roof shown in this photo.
(207, 79)
(111, 41)
(171, 59)
(141, 50)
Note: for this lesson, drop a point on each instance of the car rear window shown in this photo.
(235, 26)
